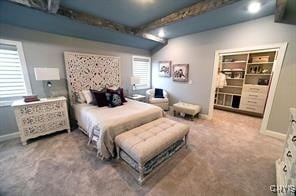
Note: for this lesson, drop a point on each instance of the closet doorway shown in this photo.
(244, 81)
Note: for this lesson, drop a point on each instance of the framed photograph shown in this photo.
(180, 72)
(165, 68)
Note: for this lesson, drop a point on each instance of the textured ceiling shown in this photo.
(129, 12)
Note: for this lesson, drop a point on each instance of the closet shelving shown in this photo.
(260, 63)
(258, 74)
(248, 75)
(232, 86)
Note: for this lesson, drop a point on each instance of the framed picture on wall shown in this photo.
(165, 68)
(180, 72)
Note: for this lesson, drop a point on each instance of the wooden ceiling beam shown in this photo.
(47, 5)
(280, 10)
(198, 8)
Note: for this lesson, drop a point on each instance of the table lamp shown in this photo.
(134, 80)
(47, 74)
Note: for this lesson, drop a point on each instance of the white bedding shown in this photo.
(113, 121)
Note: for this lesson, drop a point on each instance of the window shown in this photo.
(14, 81)
(142, 70)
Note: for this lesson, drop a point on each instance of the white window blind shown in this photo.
(13, 74)
(142, 70)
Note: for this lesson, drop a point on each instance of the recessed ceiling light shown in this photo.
(161, 33)
(254, 7)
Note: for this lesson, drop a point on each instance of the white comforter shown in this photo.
(113, 121)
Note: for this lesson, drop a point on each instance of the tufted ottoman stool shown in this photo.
(186, 108)
(146, 147)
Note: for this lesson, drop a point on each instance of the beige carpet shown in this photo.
(227, 156)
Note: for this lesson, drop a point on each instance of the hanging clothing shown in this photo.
(221, 80)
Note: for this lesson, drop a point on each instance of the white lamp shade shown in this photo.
(42, 73)
(135, 80)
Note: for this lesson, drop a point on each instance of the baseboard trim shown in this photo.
(9, 136)
(274, 134)
(204, 116)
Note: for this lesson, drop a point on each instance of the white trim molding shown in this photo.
(204, 116)
(274, 134)
(24, 68)
(276, 74)
(149, 71)
(9, 136)
(281, 48)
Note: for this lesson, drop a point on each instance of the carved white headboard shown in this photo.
(90, 71)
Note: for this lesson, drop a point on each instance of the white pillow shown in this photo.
(88, 96)
(81, 98)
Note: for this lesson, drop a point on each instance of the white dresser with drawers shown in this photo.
(253, 98)
(286, 165)
(42, 117)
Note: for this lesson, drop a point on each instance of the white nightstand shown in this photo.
(42, 117)
(137, 97)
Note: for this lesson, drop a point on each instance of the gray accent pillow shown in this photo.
(114, 99)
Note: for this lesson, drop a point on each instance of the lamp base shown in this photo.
(47, 85)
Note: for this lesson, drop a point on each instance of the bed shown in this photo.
(92, 71)
(111, 122)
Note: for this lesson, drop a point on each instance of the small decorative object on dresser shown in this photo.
(165, 68)
(42, 117)
(286, 165)
(31, 98)
(180, 72)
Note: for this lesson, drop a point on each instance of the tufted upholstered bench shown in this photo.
(146, 147)
(186, 108)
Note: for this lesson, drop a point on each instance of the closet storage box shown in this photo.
(260, 59)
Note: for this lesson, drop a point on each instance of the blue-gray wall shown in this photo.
(43, 49)
(198, 50)
(46, 50)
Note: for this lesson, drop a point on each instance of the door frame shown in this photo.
(281, 47)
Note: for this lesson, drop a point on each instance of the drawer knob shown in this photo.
(285, 168)
(294, 139)
(289, 154)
